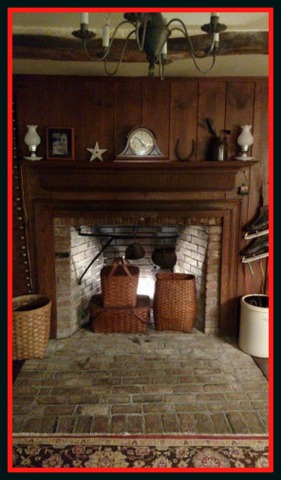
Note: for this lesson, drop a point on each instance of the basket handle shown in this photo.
(120, 261)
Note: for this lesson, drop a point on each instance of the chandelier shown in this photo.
(151, 33)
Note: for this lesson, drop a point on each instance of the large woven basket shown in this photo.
(119, 319)
(175, 302)
(119, 283)
(31, 326)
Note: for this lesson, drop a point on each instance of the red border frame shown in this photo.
(270, 11)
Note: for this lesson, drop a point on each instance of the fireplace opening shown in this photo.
(82, 249)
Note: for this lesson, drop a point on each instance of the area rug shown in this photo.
(117, 453)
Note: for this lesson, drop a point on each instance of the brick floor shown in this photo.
(160, 382)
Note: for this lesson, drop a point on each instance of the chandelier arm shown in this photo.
(86, 51)
(186, 34)
(192, 51)
(141, 43)
(161, 67)
(105, 55)
(200, 69)
(111, 74)
(107, 51)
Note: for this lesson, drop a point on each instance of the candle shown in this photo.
(105, 35)
(85, 17)
(164, 49)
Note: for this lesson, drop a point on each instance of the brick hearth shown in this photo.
(160, 382)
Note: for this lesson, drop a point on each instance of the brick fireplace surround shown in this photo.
(81, 252)
(188, 194)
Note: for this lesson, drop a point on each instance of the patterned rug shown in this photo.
(138, 452)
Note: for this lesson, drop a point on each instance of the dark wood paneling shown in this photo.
(98, 118)
(37, 104)
(183, 117)
(260, 133)
(127, 111)
(74, 110)
(212, 98)
(239, 110)
(156, 111)
(252, 278)
(240, 101)
(105, 109)
(45, 257)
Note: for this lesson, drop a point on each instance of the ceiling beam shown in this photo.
(61, 48)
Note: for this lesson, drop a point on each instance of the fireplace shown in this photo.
(201, 196)
(81, 251)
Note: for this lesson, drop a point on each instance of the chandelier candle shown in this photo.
(84, 18)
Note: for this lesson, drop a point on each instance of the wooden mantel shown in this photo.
(135, 176)
(139, 189)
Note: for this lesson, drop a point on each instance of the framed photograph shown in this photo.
(60, 143)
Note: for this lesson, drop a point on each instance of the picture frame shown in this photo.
(60, 143)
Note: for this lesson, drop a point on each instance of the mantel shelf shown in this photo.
(147, 177)
(235, 165)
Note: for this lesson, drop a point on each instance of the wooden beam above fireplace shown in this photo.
(77, 177)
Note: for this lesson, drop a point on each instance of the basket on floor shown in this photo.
(119, 283)
(31, 326)
(119, 319)
(174, 305)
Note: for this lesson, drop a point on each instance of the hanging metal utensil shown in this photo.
(164, 257)
(134, 251)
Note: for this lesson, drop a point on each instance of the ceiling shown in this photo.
(44, 44)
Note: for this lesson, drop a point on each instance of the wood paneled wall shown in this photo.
(104, 110)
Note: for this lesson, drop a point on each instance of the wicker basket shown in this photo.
(119, 319)
(119, 283)
(174, 305)
(31, 326)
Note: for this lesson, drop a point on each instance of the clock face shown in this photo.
(141, 146)
(141, 142)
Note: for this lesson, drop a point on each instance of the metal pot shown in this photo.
(134, 251)
(164, 257)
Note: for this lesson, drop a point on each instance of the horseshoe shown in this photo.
(189, 157)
